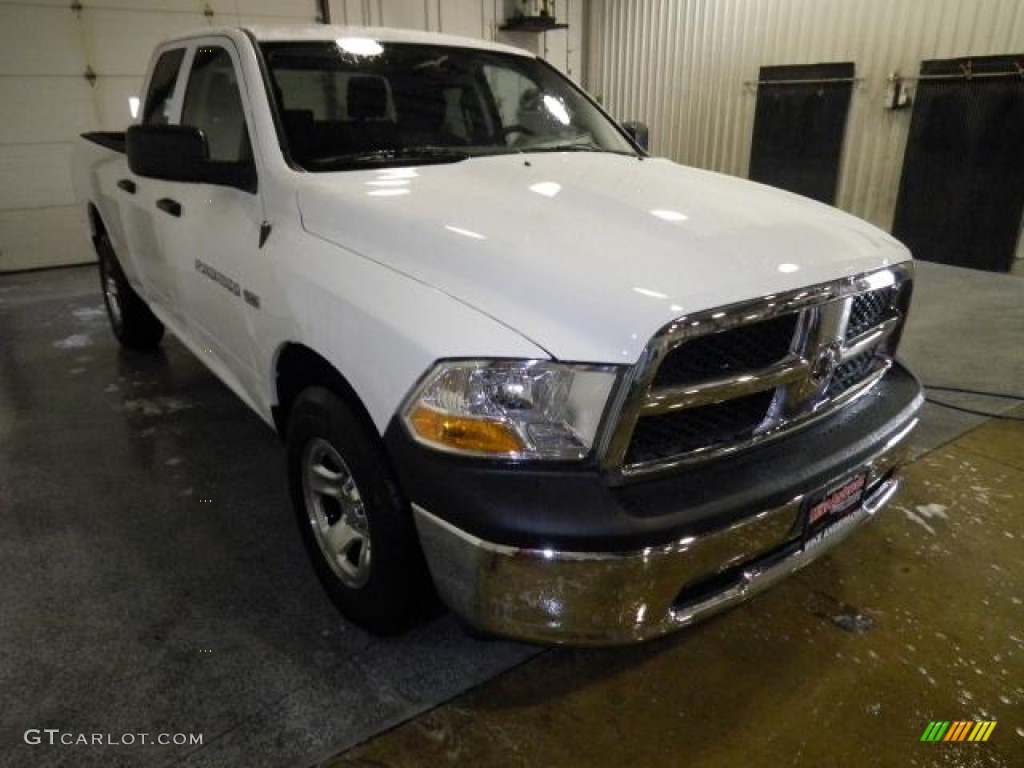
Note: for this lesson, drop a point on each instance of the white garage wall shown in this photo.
(472, 18)
(45, 48)
(680, 65)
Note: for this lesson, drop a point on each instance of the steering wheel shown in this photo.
(508, 130)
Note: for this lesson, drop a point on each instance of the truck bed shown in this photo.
(110, 139)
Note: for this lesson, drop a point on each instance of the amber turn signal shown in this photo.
(465, 434)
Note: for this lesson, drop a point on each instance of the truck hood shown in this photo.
(588, 254)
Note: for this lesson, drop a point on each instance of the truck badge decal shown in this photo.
(232, 286)
(218, 277)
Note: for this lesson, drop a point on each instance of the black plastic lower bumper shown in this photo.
(575, 508)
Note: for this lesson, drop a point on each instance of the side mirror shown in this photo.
(639, 133)
(179, 153)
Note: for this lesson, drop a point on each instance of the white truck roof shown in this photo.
(328, 32)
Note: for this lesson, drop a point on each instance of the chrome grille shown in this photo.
(868, 310)
(723, 380)
(741, 350)
(689, 429)
(850, 373)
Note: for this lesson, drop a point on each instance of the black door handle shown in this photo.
(127, 185)
(167, 205)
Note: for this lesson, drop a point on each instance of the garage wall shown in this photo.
(472, 18)
(681, 66)
(45, 48)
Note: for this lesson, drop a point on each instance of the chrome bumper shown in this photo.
(612, 598)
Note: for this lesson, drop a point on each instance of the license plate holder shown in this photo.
(831, 504)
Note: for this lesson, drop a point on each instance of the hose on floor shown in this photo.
(973, 411)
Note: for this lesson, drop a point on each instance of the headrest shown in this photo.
(367, 98)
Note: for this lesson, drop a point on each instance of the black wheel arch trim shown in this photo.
(297, 366)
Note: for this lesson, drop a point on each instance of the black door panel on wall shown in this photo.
(798, 127)
(962, 191)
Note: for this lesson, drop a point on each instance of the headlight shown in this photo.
(519, 409)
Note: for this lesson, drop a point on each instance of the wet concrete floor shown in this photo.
(151, 575)
(918, 617)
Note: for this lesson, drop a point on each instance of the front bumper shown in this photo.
(667, 570)
(592, 598)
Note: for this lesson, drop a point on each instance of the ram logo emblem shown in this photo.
(824, 365)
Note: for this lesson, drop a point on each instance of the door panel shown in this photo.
(212, 242)
(137, 196)
(211, 232)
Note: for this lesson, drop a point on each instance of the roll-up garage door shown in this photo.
(70, 66)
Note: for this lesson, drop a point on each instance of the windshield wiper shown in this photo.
(378, 158)
(577, 147)
(565, 148)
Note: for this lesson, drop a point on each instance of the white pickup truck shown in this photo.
(586, 395)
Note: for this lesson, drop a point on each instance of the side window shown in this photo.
(213, 104)
(161, 87)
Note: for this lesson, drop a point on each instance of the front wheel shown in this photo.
(354, 522)
(132, 322)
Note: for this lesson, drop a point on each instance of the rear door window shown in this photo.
(159, 100)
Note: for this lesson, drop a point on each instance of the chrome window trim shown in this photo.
(800, 398)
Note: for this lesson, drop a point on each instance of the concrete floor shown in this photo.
(151, 577)
(152, 581)
(917, 618)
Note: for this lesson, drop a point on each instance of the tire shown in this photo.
(354, 522)
(132, 322)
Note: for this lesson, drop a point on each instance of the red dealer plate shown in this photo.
(834, 503)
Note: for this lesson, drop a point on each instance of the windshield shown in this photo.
(356, 103)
